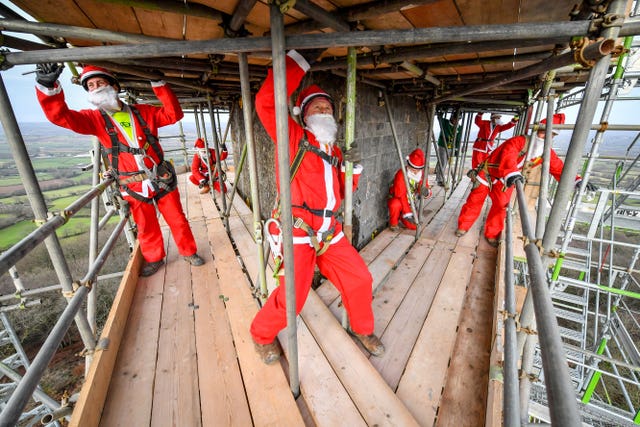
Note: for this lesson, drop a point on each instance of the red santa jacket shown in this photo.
(199, 168)
(317, 184)
(399, 190)
(91, 122)
(487, 134)
(509, 159)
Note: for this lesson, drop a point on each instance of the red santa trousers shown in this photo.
(472, 207)
(343, 266)
(478, 157)
(495, 218)
(149, 233)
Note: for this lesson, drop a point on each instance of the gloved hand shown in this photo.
(425, 192)
(109, 173)
(472, 174)
(353, 154)
(515, 118)
(513, 179)
(590, 186)
(47, 73)
(312, 55)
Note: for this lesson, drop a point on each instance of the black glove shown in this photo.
(425, 192)
(47, 73)
(312, 55)
(353, 154)
(472, 174)
(590, 186)
(513, 179)
(411, 220)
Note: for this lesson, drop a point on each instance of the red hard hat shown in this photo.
(90, 71)
(307, 95)
(558, 119)
(416, 159)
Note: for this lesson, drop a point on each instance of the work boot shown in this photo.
(150, 268)
(492, 242)
(460, 232)
(269, 353)
(205, 189)
(408, 224)
(371, 343)
(195, 260)
(394, 227)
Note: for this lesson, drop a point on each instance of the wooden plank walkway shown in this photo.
(187, 358)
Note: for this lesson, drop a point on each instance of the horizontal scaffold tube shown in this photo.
(309, 41)
(592, 52)
(24, 246)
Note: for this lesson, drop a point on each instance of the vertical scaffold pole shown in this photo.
(247, 114)
(216, 146)
(431, 112)
(92, 298)
(349, 137)
(546, 165)
(510, 405)
(282, 132)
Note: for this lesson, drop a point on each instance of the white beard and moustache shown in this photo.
(413, 176)
(536, 148)
(323, 126)
(105, 98)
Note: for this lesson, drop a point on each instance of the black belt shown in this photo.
(324, 213)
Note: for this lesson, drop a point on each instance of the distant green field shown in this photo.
(12, 235)
(60, 162)
(74, 191)
(76, 225)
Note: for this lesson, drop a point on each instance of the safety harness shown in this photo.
(162, 175)
(304, 147)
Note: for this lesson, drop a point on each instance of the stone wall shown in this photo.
(374, 137)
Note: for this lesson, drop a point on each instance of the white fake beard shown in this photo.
(202, 154)
(537, 147)
(499, 122)
(105, 98)
(323, 126)
(414, 176)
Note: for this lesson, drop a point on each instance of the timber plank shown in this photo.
(495, 388)
(328, 292)
(421, 384)
(89, 407)
(222, 397)
(465, 393)
(266, 386)
(405, 327)
(129, 400)
(391, 294)
(380, 268)
(451, 208)
(375, 400)
(175, 393)
(326, 398)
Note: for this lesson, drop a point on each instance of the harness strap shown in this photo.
(305, 146)
(325, 213)
(117, 146)
(326, 236)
